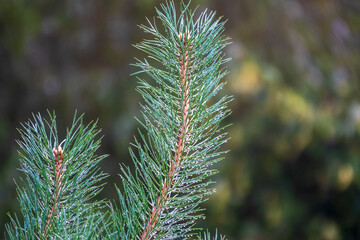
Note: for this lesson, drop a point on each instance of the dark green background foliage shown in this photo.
(294, 168)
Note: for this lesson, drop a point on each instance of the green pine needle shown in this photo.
(207, 236)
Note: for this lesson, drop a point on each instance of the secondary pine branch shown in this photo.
(57, 200)
(183, 133)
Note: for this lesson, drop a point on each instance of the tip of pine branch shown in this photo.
(184, 35)
(60, 150)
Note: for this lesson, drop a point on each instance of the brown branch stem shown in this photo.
(183, 133)
(59, 170)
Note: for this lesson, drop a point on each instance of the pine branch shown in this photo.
(61, 182)
(183, 134)
(182, 120)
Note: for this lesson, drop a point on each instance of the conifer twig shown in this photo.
(56, 200)
(183, 133)
(160, 200)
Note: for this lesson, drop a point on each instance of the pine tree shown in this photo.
(173, 154)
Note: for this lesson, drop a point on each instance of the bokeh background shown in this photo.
(294, 167)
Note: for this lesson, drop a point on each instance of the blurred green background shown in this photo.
(294, 167)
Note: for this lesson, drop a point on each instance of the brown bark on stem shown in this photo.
(183, 134)
(59, 170)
